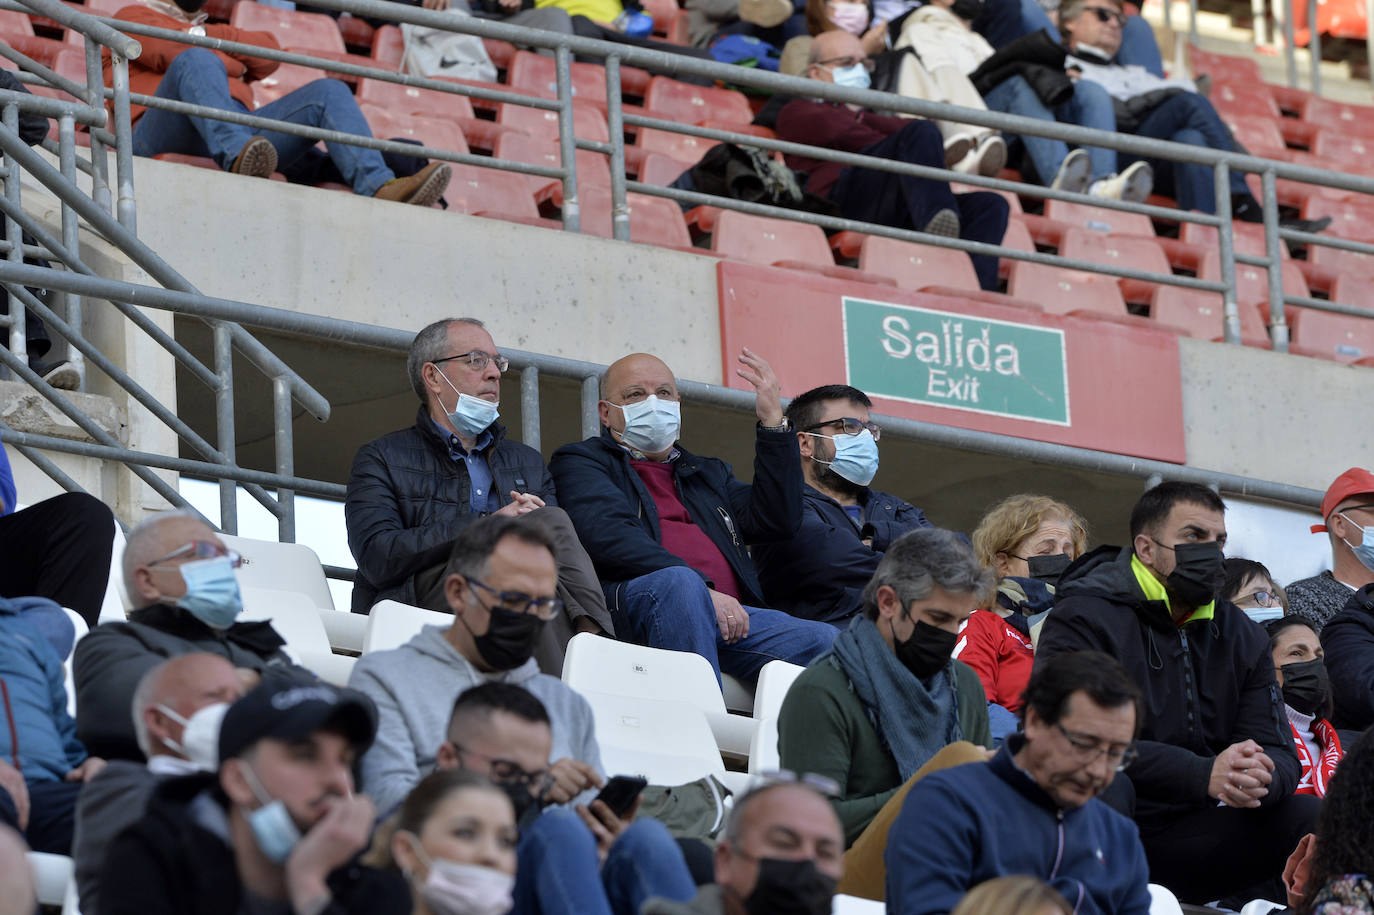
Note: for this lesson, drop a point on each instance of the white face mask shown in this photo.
(450, 888)
(199, 735)
(651, 425)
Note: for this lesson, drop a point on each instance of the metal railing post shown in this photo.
(615, 124)
(529, 406)
(1278, 323)
(17, 319)
(1226, 249)
(1192, 21)
(124, 146)
(591, 394)
(71, 238)
(567, 139)
(1314, 47)
(224, 425)
(286, 462)
(100, 164)
(1289, 52)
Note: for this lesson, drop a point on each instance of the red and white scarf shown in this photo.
(1316, 776)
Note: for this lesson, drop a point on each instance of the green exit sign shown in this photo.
(945, 359)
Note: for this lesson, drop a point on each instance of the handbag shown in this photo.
(436, 52)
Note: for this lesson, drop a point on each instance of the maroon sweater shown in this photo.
(679, 533)
(833, 126)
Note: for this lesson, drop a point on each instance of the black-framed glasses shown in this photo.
(546, 608)
(201, 549)
(844, 62)
(477, 360)
(1088, 749)
(506, 771)
(1106, 15)
(849, 425)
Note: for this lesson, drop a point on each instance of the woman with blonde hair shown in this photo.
(1013, 896)
(1028, 540)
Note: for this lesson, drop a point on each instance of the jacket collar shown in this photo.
(811, 492)
(680, 457)
(257, 636)
(1004, 765)
(430, 432)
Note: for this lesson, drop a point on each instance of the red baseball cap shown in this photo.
(1355, 481)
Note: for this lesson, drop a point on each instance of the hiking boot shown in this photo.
(258, 159)
(422, 189)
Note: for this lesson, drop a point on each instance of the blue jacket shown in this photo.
(8, 494)
(37, 734)
(1348, 642)
(962, 826)
(617, 521)
(820, 573)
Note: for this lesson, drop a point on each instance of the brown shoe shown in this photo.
(258, 158)
(766, 13)
(423, 189)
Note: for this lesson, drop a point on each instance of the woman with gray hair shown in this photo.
(888, 703)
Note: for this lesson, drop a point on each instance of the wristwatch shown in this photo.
(196, 30)
(786, 426)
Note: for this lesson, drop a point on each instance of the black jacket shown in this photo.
(1348, 641)
(617, 521)
(1207, 685)
(169, 864)
(407, 500)
(820, 573)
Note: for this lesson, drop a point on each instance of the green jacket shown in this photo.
(823, 729)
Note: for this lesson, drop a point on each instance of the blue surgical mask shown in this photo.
(651, 425)
(855, 77)
(273, 829)
(212, 591)
(471, 415)
(1365, 551)
(856, 456)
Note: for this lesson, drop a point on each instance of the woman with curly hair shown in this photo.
(1342, 863)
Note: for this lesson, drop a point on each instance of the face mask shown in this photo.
(855, 77)
(1048, 568)
(199, 735)
(1306, 686)
(212, 591)
(852, 17)
(451, 888)
(471, 415)
(967, 10)
(856, 456)
(273, 829)
(790, 888)
(927, 651)
(1197, 574)
(651, 425)
(1365, 551)
(509, 639)
(526, 804)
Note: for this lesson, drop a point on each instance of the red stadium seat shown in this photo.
(434, 132)
(286, 78)
(15, 24)
(1017, 236)
(1259, 135)
(356, 32)
(660, 170)
(676, 145)
(1248, 238)
(491, 192)
(1341, 146)
(781, 243)
(500, 52)
(399, 99)
(1118, 251)
(588, 121)
(1337, 262)
(1357, 119)
(910, 264)
(1252, 283)
(1224, 67)
(1344, 338)
(1115, 222)
(691, 104)
(69, 62)
(1200, 315)
(388, 48)
(592, 168)
(1241, 99)
(1060, 291)
(670, 20)
(1351, 218)
(537, 75)
(296, 31)
(653, 220)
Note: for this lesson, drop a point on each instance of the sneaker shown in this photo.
(423, 189)
(1075, 173)
(991, 155)
(1312, 226)
(957, 147)
(635, 24)
(61, 375)
(945, 222)
(258, 158)
(1133, 185)
(766, 13)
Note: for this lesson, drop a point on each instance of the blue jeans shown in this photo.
(672, 609)
(1004, 21)
(1189, 118)
(52, 813)
(1138, 46)
(557, 872)
(1089, 106)
(196, 75)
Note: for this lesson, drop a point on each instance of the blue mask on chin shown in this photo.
(212, 591)
(275, 833)
(471, 415)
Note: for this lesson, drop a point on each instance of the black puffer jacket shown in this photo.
(1207, 684)
(1348, 641)
(407, 500)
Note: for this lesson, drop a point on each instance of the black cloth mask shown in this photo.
(927, 651)
(790, 888)
(1306, 686)
(1048, 568)
(510, 638)
(1197, 574)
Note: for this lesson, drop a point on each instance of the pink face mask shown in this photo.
(852, 17)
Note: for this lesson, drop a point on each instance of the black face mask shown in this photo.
(790, 888)
(191, 7)
(509, 639)
(525, 804)
(1306, 686)
(927, 651)
(1197, 574)
(1048, 568)
(967, 10)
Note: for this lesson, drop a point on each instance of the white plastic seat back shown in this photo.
(52, 874)
(775, 679)
(601, 665)
(667, 742)
(281, 567)
(390, 624)
(763, 747)
(1260, 907)
(81, 628)
(115, 606)
(856, 905)
(1163, 901)
(297, 620)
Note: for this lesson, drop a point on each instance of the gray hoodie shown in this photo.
(414, 687)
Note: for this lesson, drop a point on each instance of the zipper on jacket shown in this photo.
(1190, 688)
(1059, 853)
(729, 525)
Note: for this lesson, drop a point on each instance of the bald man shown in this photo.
(192, 687)
(181, 582)
(669, 531)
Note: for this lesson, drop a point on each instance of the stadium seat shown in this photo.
(688, 103)
(294, 31)
(1118, 251)
(356, 33)
(14, 24)
(763, 745)
(116, 601)
(1252, 283)
(283, 567)
(390, 624)
(52, 874)
(592, 168)
(661, 170)
(781, 243)
(1115, 222)
(667, 742)
(653, 220)
(910, 264)
(588, 121)
(1163, 901)
(670, 20)
(69, 62)
(297, 620)
(1351, 218)
(678, 146)
(1343, 116)
(1344, 338)
(1200, 315)
(855, 905)
(1337, 262)
(775, 679)
(1259, 135)
(1061, 291)
(80, 629)
(1247, 238)
(1017, 237)
(388, 48)
(500, 52)
(537, 75)
(1235, 100)
(491, 192)
(597, 665)
(1342, 146)
(1260, 907)
(398, 99)
(1224, 67)
(438, 133)
(286, 78)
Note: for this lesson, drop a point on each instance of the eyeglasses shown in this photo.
(201, 549)
(1106, 15)
(845, 62)
(506, 771)
(477, 360)
(546, 608)
(1088, 749)
(849, 426)
(820, 783)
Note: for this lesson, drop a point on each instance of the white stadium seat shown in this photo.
(856, 905)
(281, 567)
(52, 874)
(390, 624)
(297, 620)
(1163, 902)
(666, 741)
(81, 629)
(775, 680)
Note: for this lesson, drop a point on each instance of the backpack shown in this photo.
(435, 52)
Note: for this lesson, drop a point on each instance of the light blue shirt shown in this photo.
(482, 495)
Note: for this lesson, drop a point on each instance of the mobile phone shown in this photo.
(620, 791)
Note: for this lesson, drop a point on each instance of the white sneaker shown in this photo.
(1133, 185)
(1075, 172)
(957, 146)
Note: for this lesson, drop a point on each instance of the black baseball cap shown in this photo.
(291, 708)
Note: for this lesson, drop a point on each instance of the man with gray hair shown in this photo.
(887, 703)
(181, 583)
(176, 712)
(411, 492)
